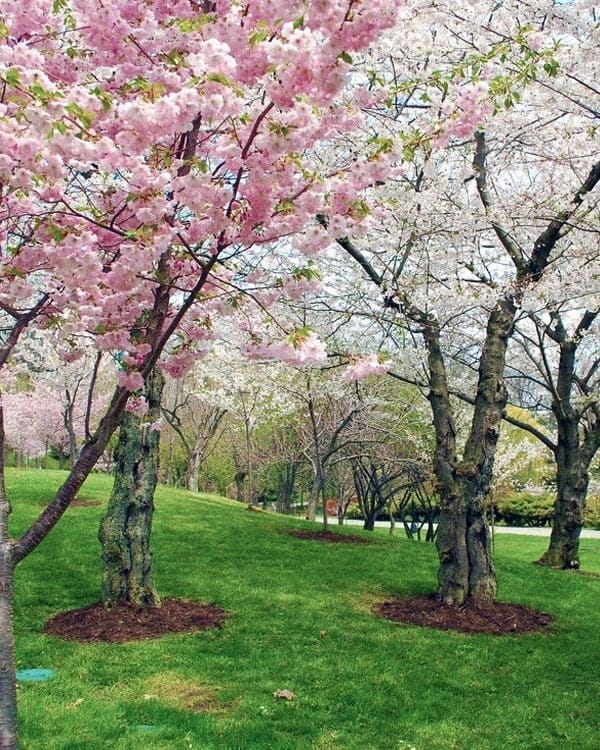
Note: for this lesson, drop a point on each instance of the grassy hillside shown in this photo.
(299, 619)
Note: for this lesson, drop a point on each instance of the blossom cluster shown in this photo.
(140, 143)
(300, 349)
(364, 367)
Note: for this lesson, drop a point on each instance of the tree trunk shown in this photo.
(574, 452)
(70, 428)
(8, 689)
(286, 488)
(318, 487)
(369, 524)
(464, 541)
(13, 551)
(126, 529)
(313, 500)
(193, 476)
(464, 544)
(571, 492)
(240, 476)
(563, 550)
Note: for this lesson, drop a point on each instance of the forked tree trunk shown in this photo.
(464, 542)
(200, 448)
(126, 529)
(575, 449)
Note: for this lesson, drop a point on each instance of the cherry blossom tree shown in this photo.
(75, 390)
(196, 422)
(494, 220)
(34, 423)
(145, 148)
(559, 369)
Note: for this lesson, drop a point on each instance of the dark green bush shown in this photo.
(526, 509)
(354, 513)
(591, 513)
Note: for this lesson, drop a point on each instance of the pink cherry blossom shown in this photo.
(131, 381)
(365, 367)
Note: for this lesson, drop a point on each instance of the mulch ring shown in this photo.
(128, 622)
(495, 619)
(330, 536)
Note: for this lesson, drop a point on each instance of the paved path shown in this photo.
(527, 530)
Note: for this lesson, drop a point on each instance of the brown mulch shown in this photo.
(496, 619)
(331, 536)
(128, 622)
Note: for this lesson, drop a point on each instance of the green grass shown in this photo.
(299, 619)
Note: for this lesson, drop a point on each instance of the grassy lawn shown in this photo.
(299, 619)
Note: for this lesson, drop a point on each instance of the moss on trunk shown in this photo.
(125, 530)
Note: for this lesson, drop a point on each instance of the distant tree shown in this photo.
(559, 368)
(195, 418)
(376, 483)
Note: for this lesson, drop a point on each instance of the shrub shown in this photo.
(591, 513)
(526, 509)
(354, 513)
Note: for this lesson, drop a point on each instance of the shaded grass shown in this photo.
(299, 620)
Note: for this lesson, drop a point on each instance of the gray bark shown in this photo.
(69, 426)
(200, 449)
(316, 491)
(285, 490)
(193, 476)
(577, 443)
(464, 541)
(563, 549)
(318, 485)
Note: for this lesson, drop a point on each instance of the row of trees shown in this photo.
(167, 168)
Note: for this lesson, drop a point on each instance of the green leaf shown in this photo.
(13, 76)
(57, 233)
(40, 92)
(104, 96)
(220, 78)
(259, 35)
